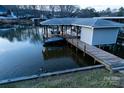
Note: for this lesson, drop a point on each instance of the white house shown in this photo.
(93, 31)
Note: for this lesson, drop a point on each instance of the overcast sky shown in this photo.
(102, 4)
(97, 4)
(103, 7)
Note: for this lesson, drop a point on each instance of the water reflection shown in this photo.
(22, 54)
(116, 50)
(65, 51)
(22, 34)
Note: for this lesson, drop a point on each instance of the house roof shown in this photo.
(122, 17)
(86, 22)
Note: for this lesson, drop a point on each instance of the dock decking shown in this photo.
(111, 62)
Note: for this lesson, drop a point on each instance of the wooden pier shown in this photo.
(110, 61)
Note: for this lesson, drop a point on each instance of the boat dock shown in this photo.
(85, 33)
(110, 61)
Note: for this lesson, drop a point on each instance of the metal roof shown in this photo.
(122, 17)
(86, 22)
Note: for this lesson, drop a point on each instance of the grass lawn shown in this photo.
(83, 79)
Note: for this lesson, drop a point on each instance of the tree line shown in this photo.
(51, 11)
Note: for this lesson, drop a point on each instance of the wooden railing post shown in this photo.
(84, 49)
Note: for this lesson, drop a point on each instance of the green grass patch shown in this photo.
(97, 78)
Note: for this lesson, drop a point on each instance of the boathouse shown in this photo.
(93, 31)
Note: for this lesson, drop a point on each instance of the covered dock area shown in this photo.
(87, 33)
(60, 28)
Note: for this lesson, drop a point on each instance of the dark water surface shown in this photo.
(22, 54)
(117, 50)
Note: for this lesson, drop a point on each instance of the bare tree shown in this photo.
(67, 10)
(53, 9)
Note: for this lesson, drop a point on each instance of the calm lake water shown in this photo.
(118, 50)
(22, 54)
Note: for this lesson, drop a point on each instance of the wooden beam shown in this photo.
(44, 30)
(62, 30)
(47, 31)
(57, 27)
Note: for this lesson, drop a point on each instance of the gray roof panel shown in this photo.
(89, 22)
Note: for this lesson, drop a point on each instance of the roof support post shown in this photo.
(67, 29)
(71, 30)
(47, 31)
(62, 30)
(71, 33)
(53, 28)
(57, 27)
(77, 34)
(44, 31)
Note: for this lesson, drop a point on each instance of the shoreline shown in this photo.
(97, 78)
(50, 74)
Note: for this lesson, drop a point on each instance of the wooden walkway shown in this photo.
(111, 62)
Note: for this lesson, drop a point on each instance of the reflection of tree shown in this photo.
(79, 59)
(60, 52)
(54, 52)
(23, 34)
